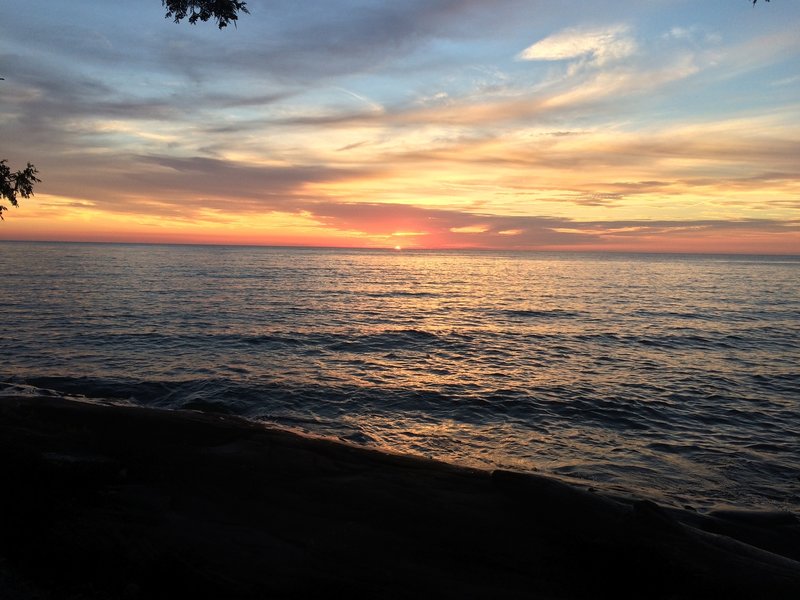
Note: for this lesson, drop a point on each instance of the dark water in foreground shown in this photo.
(673, 376)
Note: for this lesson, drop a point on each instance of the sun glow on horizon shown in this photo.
(598, 130)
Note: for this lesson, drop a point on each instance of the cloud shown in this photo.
(786, 81)
(439, 227)
(373, 104)
(453, 228)
(679, 33)
(596, 47)
(315, 41)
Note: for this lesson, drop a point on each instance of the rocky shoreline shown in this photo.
(105, 501)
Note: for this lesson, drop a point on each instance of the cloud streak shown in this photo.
(594, 47)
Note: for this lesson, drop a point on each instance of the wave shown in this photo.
(531, 360)
(555, 313)
(496, 427)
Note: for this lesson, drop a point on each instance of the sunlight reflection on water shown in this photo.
(676, 375)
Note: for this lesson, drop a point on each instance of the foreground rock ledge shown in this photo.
(106, 501)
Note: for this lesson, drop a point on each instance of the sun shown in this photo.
(398, 248)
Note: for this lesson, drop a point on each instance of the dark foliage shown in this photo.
(223, 12)
(19, 183)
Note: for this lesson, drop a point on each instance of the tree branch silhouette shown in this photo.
(17, 183)
(223, 12)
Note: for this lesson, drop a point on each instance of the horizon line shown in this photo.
(395, 250)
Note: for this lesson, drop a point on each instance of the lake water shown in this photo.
(672, 376)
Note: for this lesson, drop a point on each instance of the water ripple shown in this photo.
(673, 376)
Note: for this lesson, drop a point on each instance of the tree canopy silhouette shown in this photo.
(221, 11)
(17, 183)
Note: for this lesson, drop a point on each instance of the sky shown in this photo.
(627, 125)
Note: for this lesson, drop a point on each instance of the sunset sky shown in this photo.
(645, 125)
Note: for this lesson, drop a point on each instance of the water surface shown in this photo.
(674, 376)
